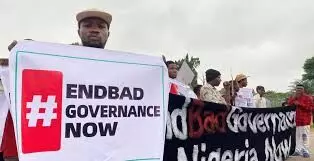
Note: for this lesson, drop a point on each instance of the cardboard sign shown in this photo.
(79, 103)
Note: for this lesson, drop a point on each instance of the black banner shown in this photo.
(203, 131)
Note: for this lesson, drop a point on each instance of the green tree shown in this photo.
(308, 69)
(308, 77)
(309, 86)
(276, 98)
(193, 63)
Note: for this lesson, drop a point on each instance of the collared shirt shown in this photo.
(261, 102)
(211, 94)
(304, 109)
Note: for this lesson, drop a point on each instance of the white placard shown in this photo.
(87, 104)
(185, 74)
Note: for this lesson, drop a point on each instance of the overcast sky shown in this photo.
(268, 40)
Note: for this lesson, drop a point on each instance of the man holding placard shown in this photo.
(93, 30)
(244, 96)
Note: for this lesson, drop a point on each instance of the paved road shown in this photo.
(312, 151)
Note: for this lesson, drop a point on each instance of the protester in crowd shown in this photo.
(260, 100)
(244, 96)
(177, 87)
(93, 30)
(209, 92)
(172, 69)
(226, 85)
(231, 92)
(172, 73)
(197, 90)
(304, 104)
(242, 80)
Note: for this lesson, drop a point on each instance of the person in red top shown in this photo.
(304, 105)
(93, 30)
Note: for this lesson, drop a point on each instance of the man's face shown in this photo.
(244, 82)
(217, 81)
(299, 91)
(226, 85)
(173, 71)
(261, 91)
(94, 32)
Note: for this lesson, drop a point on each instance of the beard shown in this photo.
(94, 44)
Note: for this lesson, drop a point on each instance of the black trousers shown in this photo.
(1, 157)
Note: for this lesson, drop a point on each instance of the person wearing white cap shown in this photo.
(93, 29)
(244, 96)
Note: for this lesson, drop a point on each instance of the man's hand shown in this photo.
(11, 46)
(297, 103)
(228, 107)
(4, 62)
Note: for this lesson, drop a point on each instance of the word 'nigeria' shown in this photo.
(96, 111)
(193, 122)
